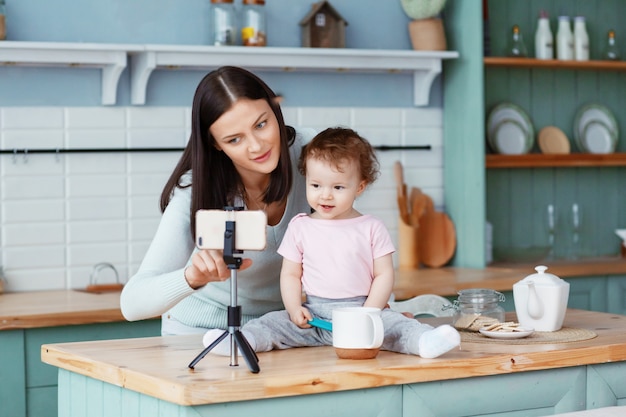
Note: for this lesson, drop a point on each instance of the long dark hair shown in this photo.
(215, 181)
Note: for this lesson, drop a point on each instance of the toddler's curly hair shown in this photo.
(338, 145)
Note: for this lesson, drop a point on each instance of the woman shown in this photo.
(240, 153)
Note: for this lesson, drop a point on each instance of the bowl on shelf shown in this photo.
(521, 254)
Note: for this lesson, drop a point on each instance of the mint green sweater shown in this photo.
(159, 286)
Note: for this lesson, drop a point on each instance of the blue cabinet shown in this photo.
(28, 387)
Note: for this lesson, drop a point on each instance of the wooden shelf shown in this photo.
(110, 58)
(494, 61)
(547, 161)
(424, 65)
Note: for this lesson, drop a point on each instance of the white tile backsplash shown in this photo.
(32, 118)
(62, 214)
(95, 117)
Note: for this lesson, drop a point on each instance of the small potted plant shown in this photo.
(426, 27)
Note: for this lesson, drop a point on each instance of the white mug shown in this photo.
(357, 328)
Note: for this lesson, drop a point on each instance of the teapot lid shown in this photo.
(543, 278)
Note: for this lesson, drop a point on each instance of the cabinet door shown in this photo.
(12, 378)
(39, 374)
(41, 379)
(617, 294)
(537, 393)
(588, 293)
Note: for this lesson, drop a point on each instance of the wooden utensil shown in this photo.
(401, 187)
(417, 204)
(437, 237)
(553, 140)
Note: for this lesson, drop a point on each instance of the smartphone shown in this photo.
(250, 228)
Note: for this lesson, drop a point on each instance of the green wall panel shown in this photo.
(464, 150)
(517, 198)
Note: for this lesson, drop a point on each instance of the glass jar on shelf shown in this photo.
(253, 26)
(477, 307)
(611, 51)
(3, 21)
(223, 21)
(516, 47)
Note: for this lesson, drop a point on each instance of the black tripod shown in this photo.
(237, 339)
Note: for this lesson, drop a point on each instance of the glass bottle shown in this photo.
(223, 23)
(3, 22)
(544, 41)
(564, 40)
(517, 48)
(253, 27)
(611, 51)
(581, 39)
(474, 303)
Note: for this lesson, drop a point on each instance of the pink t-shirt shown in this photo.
(337, 256)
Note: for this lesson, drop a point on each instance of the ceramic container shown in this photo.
(541, 300)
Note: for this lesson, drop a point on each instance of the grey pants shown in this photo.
(275, 330)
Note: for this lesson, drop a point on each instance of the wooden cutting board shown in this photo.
(437, 237)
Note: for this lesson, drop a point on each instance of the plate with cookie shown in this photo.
(507, 330)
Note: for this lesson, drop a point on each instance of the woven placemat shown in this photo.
(566, 334)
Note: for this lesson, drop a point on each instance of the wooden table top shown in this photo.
(23, 310)
(157, 366)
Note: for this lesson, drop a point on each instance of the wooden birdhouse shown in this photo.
(323, 27)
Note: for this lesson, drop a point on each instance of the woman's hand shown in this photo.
(209, 266)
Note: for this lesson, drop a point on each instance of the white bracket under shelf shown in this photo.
(424, 65)
(111, 58)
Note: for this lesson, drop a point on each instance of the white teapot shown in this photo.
(541, 300)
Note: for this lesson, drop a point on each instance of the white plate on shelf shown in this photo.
(509, 112)
(523, 332)
(598, 138)
(510, 138)
(593, 113)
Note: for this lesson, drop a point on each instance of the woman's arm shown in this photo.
(160, 283)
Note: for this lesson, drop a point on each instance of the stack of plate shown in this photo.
(509, 130)
(595, 129)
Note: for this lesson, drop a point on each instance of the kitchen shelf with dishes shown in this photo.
(592, 65)
(144, 59)
(555, 160)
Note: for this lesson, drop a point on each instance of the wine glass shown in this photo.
(576, 217)
(551, 225)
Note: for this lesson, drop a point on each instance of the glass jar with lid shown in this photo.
(477, 307)
(223, 30)
(253, 26)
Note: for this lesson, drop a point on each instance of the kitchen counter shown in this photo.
(152, 372)
(65, 307)
(500, 277)
(25, 310)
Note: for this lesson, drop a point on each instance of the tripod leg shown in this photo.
(207, 349)
(246, 351)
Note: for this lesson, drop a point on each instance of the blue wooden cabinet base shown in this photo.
(538, 393)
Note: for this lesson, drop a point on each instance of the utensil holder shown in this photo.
(408, 246)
